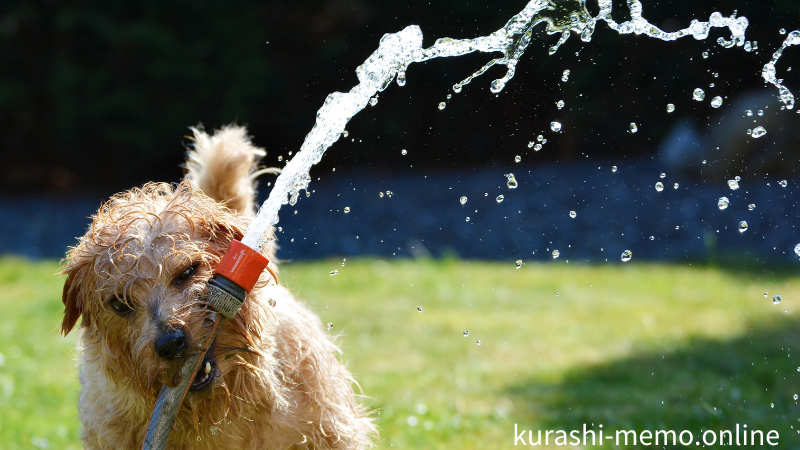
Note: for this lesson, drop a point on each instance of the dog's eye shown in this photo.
(119, 306)
(188, 272)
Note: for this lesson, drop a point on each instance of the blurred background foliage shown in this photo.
(90, 85)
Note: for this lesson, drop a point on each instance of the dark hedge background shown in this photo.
(97, 95)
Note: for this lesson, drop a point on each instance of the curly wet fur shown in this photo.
(280, 384)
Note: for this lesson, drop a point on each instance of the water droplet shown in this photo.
(330, 325)
(346, 209)
(766, 294)
(795, 397)
(380, 194)
(716, 102)
(463, 200)
(760, 112)
(783, 183)
(214, 431)
(627, 255)
(652, 238)
(565, 76)
(733, 184)
(467, 218)
(500, 198)
(466, 333)
(751, 206)
(518, 264)
(634, 128)
(345, 133)
(479, 342)
(497, 86)
(420, 309)
(783, 31)
(531, 144)
(555, 126)
(705, 55)
(457, 88)
(776, 299)
(614, 169)
(560, 104)
(334, 272)
(704, 161)
(404, 152)
(675, 186)
(670, 108)
(723, 202)
(772, 405)
(540, 138)
(442, 106)
(280, 158)
(556, 254)
(659, 186)
(743, 226)
(373, 101)
(517, 158)
(748, 112)
(663, 175)
(537, 147)
(198, 438)
(573, 214)
(272, 302)
(758, 132)
(698, 95)
(512, 182)
(797, 249)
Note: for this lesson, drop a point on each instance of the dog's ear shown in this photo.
(73, 305)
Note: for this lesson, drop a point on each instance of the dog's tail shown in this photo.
(225, 166)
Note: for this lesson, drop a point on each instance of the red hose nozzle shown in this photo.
(234, 277)
(242, 265)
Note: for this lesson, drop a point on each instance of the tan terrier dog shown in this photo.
(271, 379)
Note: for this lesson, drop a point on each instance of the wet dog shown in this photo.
(137, 278)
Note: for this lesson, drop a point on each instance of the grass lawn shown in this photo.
(626, 345)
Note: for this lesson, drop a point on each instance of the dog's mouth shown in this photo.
(208, 372)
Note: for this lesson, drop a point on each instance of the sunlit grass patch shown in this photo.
(38, 373)
(629, 345)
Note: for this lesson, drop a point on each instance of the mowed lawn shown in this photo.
(627, 345)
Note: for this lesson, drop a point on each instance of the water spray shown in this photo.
(235, 275)
(241, 265)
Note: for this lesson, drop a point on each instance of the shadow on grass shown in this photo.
(743, 265)
(704, 384)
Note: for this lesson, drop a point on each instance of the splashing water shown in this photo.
(397, 51)
(770, 75)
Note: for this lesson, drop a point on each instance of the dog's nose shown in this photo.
(172, 344)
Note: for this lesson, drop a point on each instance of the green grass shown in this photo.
(631, 346)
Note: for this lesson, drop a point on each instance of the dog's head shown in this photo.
(138, 278)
